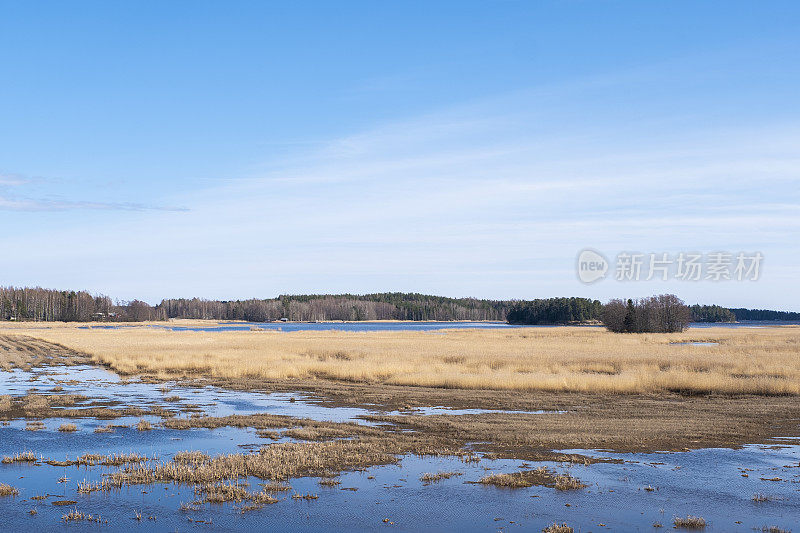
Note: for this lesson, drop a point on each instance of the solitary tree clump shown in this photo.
(665, 313)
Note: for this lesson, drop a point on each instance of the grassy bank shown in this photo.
(750, 361)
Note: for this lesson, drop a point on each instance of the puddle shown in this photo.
(105, 386)
(695, 343)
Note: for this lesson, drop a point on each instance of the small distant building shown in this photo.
(103, 316)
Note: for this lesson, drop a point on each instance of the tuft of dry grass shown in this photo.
(78, 516)
(228, 492)
(67, 428)
(429, 478)
(144, 425)
(19, 457)
(542, 476)
(690, 522)
(307, 496)
(94, 459)
(558, 528)
(8, 490)
(190, 506)
(575, 359)
(275, 487)
(567, 482)
(193, 458)
(88, 487)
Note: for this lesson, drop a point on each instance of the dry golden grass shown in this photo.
(750, 361)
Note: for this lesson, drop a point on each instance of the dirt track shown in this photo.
(22, 351)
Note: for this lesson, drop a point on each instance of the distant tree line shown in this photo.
(716, 313)
(70, 306)
(379, 306)
(711, 313)
(555, 311)
(764, 314)
(38, 304)
(665, 313)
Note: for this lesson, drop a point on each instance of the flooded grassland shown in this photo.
(93, 434)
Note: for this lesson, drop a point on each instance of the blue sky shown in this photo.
(234, 149)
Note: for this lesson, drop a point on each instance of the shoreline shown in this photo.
(520, 424)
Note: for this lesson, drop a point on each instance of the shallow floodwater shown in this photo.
(100, 384)
(708, 483)
(329, 326)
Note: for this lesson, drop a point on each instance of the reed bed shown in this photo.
(746, 361)
(277, 462)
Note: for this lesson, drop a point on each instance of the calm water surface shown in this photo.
(399, 326)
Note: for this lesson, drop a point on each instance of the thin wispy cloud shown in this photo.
(12, 180)
(32, 204)
(24, 197)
